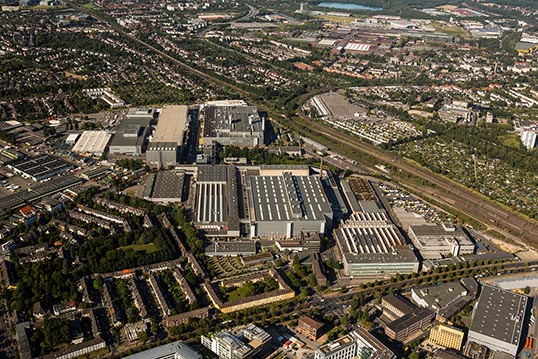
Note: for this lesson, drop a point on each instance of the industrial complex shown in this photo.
(232, 123)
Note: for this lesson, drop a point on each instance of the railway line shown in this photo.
(458, 197)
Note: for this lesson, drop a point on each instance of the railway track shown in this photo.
(442, 189)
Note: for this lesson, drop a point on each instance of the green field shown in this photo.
(89, 6)
(511, 140)
(148, 248)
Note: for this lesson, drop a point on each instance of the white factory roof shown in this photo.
(171, 125)
(94, 142)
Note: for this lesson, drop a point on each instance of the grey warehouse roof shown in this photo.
(500, 314)
(287, 197)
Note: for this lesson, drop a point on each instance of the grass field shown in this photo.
(511, 140)
(148, 248)
(89, 6)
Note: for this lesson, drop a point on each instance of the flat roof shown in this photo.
(41, 166)
(165, 185)
(213, 173)
(500, 314)
(171, 124)
(92, 142)
(221, 121)
(140, 112)
(130, 132)
(399, 303)
(288, 197)
(182, 350)
(221, 247)
(440, 295)
(409, 319)
(336, 345)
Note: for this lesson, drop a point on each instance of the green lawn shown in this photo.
(89, 6)
(148, 248)
(511, 140)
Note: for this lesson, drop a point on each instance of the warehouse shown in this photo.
(164, 187)
(499, 320)
(130, 137)
(284, 206)
(216, 207)
(162, 154)
(40, 168)
(440, 241)
(370, 245)
(233, 124)
(165, 146)
(92, 143)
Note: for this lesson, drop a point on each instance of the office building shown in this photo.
(440, 241)
(357, 344)
(395, 306)
(409, 324)
(232, 123)
(438, 298)
(286, 205)
(244, 344)
(175, 350)
(529, 137)
(309, 327)
(370, 245)
(447, 336)
(499, 320)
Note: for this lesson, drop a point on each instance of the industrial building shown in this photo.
(440, 241)
(216, 206)
(130, 136)
(40, 168)
(164, 187)
(357, 344)
(499, 320)
(92, 143)
(370, 245)
(162, 154)
(175, 350)
(141, 112)
(447, 336)
(232, 123)
(286, 205)
(230, 248)
(245, 344)
(165, 146)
